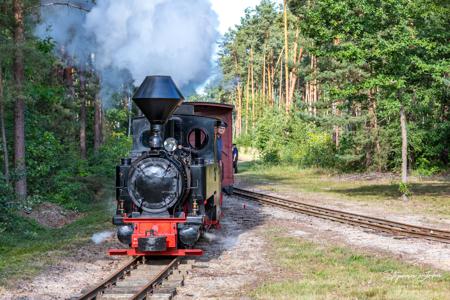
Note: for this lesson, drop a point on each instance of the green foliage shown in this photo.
(308, 145)
(6, 198)
(244, 140)
(55, 170)
(383, 54)
(269, 136)
(403, 188)
(105, 161)
(41, 153)
(367, 59)
(426, 168)
(292, 141)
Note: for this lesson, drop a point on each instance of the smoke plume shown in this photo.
(127, 40)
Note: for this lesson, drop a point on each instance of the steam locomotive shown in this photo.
(169, 190)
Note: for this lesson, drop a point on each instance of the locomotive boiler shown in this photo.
(168, 190)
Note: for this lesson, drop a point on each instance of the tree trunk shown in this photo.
(306, 97)
(336, 129)
(238, 102)
(310, 93)
(247, 99)
(3, 130)
(286, 57)
(83, 148)
(239, 110)
(280, 83)
(19, 112)
(130, 108)
(374, 128)
(269, 96)
(404, 150)
(444, 155)
(253, 88)
(280, 88)
(315, 86)
(293, 74)
(272, 79)
(97, 124)
(264, 79)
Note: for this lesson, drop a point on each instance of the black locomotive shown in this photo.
(169, 190)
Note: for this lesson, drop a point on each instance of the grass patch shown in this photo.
(29, 247)
(428, 195)
(324, 272)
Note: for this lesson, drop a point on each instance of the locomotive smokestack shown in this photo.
(157, 98)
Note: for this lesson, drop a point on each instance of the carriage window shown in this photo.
(197, 138)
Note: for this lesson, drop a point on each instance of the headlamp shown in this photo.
(170, 144)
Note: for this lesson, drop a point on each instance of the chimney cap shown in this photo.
(158, 87)
(157, 98)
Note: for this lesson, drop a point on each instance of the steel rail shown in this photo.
(144, 292)
(93, 292)
(368, 222)
(157, 280)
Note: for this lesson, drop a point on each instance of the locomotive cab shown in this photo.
(169, 190)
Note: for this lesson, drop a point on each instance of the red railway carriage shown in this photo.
(169, 191)
(223, 112)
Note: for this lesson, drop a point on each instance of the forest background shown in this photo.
(352, 85)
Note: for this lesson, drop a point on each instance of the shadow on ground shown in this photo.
(392, 191)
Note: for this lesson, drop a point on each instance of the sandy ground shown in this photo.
(235, 256)
(235, 259)
(414, 251)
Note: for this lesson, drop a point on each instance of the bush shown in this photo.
(293, 140)
(426, 168)
(71, 191)
(308, 145)
(244, 140)
(269, 136)
(6, 198)
(104, 162)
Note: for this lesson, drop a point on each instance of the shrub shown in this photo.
(269, 136)
(103, 163)
(244, 140)
(292, 140)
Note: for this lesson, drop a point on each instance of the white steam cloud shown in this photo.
(126, 40)
(100, 237)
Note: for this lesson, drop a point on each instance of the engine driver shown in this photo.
(220, 130)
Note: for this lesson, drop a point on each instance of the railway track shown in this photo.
(141, 278)
(378, 224)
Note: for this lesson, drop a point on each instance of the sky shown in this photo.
(231, 11)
